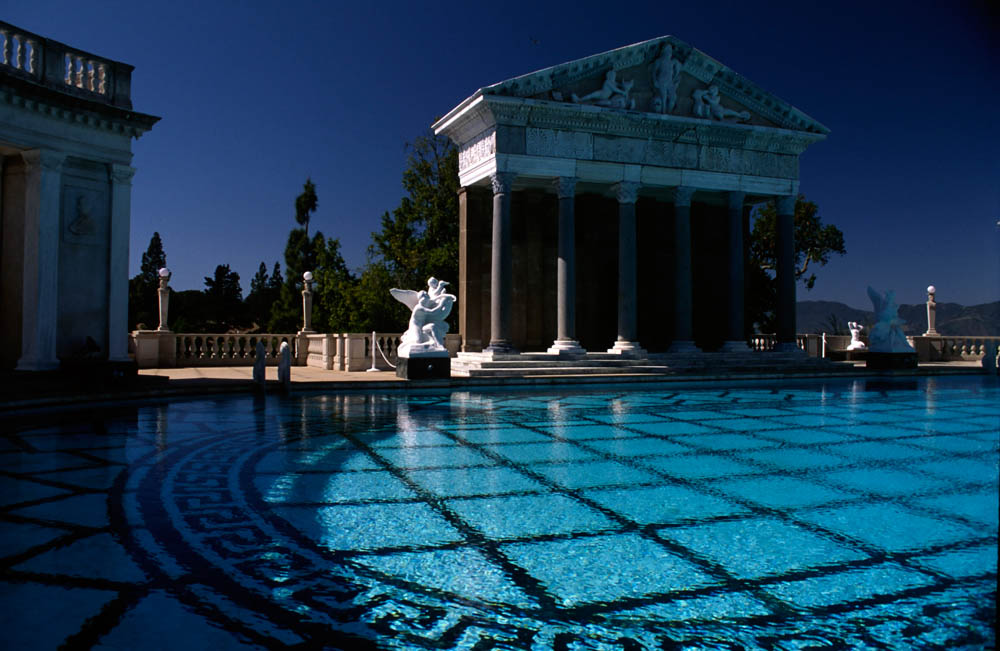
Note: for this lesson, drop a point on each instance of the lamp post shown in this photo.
(307, 303)
(164, 292)
(931, 308)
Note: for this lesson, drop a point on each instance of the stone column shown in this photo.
(39, 309)
(931, 312)
(627, 342)
(785, 254)
(735, 334)
(501, 276)
(307, 304)
(683, 304)
(566, 343)
(163, 293)
(121, 208)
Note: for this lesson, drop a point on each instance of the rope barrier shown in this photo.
(375, 346)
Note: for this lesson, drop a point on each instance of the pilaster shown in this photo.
(735, 335)
(121, 208)
(43, 180)
(785, 274)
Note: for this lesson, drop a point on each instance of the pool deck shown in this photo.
(21, 392)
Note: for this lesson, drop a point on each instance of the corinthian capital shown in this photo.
(682, 196)
(626, 191)
(122, 174)
(502, 181)
(47, 159)
(565, 186)
(785, 204)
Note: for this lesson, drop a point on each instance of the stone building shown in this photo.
(605, 203)
(66, 129)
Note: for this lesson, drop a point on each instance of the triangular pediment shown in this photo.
(663, 76)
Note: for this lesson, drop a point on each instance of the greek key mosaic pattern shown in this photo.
(851, 514)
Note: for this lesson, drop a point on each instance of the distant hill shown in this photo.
(952, 318)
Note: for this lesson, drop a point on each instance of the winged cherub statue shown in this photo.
(887, 334)
(428, 311)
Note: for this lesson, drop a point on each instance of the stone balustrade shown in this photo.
(943, 348)
(353, 351)
(59, 67)
(763, 343)
(164, 349)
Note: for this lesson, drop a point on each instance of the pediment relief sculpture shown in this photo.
(662, 76)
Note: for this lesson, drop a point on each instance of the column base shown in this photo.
(735, 347)
(788, 347)
(627, 349)
(683, 346)
(566, 347)
(501, 346)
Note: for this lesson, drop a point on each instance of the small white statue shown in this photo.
(708, 105)
(666, 75)
(285, 365)
(886, 335)
(428, 311)
(610, 93)
(260, 364)
(856, 343)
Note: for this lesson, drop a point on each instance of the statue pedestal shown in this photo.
(424, 367)
(889, 361)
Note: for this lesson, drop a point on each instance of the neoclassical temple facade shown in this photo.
(66, 130)
(605, 203)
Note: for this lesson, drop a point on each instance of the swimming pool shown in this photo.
(840, 513)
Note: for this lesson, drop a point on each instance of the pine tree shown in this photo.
(143, 301)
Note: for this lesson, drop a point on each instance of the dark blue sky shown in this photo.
(257, 96)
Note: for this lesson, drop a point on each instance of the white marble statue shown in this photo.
(708, 105)
(428, 311)
(886, 335)
(610, 93)
(856, 343)
(260, 364)
(285, 365)
(666, 75)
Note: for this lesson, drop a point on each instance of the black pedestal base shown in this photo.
(423, 368)
(888, 361)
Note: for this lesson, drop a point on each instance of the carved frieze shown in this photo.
(478, 149)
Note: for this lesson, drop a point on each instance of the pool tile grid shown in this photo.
(910, 573)
(873, 557)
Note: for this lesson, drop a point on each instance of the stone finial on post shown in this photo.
(931, 309)
(307, 303)
(164, 292)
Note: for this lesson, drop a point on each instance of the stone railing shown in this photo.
(68, 70)
(767, 343)
(227, 349)
(353, 351)
(160, 349)
(942, 348)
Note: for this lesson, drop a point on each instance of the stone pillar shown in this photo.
(735, 334)
(683, 304)
(566, 343)
(163, 292)
(121, 208)
(39, 309)
(627, 342)
(501, 277)
(785, 254)
(307, 304)
(931, 312)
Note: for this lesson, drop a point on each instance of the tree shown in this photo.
(419, 238)
(305, 205)
(334, 299)
(224, 298)
(815, 242)
(264, 291)
(143, 305)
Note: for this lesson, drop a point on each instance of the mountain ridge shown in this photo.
(953, 319)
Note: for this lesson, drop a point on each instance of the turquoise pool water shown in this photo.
(843, 514)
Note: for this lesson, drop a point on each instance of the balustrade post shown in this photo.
(931, 312)
(307, 303)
